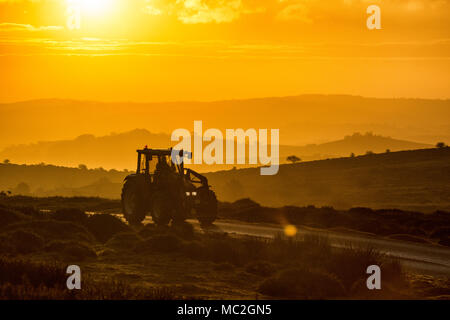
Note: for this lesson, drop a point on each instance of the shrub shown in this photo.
(54, 230)
(159, 243)
(303, 283)
(445, 242)
(184, 230)
(18, 271)
(23, 279)
(71, 214)
(104, 226)
(261, 268)
(78, 252)
(440, 233)
(123, 241)
(350, 264)
(25, 242)
(9, 216)
(71, 250)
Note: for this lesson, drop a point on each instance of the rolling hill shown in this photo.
(411, 180)
(301, 119)
(117, 151)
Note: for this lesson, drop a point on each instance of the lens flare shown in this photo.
(290, 230)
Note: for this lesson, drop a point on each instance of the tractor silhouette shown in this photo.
(165, 189)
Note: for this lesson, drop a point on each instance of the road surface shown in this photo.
(423, 258)
(419, 257)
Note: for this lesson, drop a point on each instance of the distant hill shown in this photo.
(301, 119)
(416, 180)
(111, 151)
(357, 144)
(118, 151)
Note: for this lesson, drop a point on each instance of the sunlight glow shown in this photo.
(290, 230)
(92, 7)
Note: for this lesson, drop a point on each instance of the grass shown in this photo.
(36, 248)
(28, 280)
(413, 226)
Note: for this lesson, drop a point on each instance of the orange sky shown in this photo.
(160, 50)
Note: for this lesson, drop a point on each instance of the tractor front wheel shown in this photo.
(207, 208)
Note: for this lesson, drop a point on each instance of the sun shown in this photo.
(96, 6)
(93, 7)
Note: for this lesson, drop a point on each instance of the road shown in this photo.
(423, 258)
(419, 257)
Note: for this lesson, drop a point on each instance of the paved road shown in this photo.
(423, 258)
(420, 257)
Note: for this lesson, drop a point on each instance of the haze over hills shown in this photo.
(301, 119)
(118, 151)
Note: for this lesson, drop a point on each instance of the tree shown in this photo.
(441, 145)
(6, 161)
(293, 159)
(388, 150)
(352, 155)
(368, 153)
(82, 167)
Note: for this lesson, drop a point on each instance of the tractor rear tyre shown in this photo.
(134, 201)
(161, 209)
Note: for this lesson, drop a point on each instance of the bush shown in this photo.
(18, 271)
(29, 211)
(22, 279)
(159, 243)
(71, 214)
(25, 242)
(9, 216)
(123, 241)
(261, 268)
(71, 250)
(445, 242)
(303, 283)
(440, 233)
(78, 252)
(350, 264)
(54, 230)
(104, 226)
(184, 230)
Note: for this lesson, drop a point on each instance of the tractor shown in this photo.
(165, 189)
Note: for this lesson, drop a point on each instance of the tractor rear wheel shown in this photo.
(161, 209)
(134, 201)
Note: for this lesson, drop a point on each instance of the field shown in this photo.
(41, 237)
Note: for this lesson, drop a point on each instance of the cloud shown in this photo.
(205, 11)
(9, 26)
(197, 11)
(295, 11)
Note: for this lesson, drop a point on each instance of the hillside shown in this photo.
(414, 180)
(118, 151)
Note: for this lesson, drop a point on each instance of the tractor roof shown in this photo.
(155, 152)
(163, 152)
